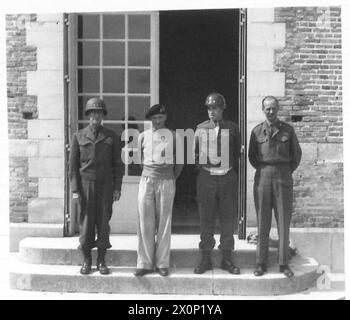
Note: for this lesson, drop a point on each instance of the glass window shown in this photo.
(139, 54)
(113, 53)
(88, 26)
(89, 53)
(139, 81)
(139, 26)
(138, 107)
(113, 26)
(113, 81)
(88, 80)
(115, 64)
(115, 107)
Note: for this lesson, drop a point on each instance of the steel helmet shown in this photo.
(95, 104)
(215, 99)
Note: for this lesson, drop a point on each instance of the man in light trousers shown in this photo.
(156, 194)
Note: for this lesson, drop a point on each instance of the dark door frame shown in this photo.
(242, 176)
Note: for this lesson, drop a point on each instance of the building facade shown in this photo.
(56, 62)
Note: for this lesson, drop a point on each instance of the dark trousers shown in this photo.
(96, 211)
(273, 189)
(217, 197)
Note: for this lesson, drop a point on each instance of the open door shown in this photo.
(202, 51)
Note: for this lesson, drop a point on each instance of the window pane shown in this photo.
(139, 27)
(113, 81)
(115, 107)
(113, 54)
(113, 26)
(138, 107)
(139, 81)
(88, 26)
(88, 53)
(139, 53)
(81, 107)
(116, 127)
(88, 80)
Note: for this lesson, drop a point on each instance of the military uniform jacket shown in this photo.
(233, 145)
(95, 158)
(274, 146)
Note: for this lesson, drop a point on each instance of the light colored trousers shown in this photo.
(155, 205)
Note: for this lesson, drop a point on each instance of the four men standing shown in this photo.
(96, 174)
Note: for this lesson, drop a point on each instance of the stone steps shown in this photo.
(66, 278)
(52, 264)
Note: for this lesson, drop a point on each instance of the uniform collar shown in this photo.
(275, 127)
(91, 133)
(221, 123)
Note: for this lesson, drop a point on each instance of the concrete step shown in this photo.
(184, 252)
(66, 278)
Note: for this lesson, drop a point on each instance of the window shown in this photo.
(117, 60)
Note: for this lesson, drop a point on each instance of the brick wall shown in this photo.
(20, 59)
(312, 63)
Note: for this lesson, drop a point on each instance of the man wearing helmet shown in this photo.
(96, 172)
(215, 140)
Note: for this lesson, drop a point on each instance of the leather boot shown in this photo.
(101, 263)
(286, 271)
(205, 263)
(227, 263)
(86, 267)
(260, 269)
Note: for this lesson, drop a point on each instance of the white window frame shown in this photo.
(73, 70)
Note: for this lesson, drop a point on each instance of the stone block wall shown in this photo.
(36, 113)
(21, 58)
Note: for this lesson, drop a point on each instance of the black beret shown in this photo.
(155, 109)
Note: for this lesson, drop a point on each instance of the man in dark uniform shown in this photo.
(96, 173)
(217, 184)
(275, 153)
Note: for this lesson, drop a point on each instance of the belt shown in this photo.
(217, 171)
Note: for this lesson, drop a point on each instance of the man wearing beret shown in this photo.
(217, 139)
(275, 153)
(156, 193)
(96, 172)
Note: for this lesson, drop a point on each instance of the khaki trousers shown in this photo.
(273, 189)
(155, 205)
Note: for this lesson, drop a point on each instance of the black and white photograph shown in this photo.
(173, 151)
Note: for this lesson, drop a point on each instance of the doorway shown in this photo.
(198, 54)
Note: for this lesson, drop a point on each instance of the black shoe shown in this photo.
(86, 267)
(227, 263)
(259, 270)
(205, 263)
(286, 271)
(142, 272)
(101, 263)
(163, 271)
